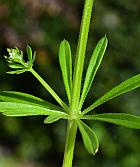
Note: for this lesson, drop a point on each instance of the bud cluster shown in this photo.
(16, 61)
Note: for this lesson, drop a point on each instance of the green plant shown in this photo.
(21, 104)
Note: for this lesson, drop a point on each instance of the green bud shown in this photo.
(15, 60)
(15, 55)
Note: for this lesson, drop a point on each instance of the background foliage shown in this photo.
(44, 24)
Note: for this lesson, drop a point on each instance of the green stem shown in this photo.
(76, 87)
(80, 55)
(50, 90)
(70, 143)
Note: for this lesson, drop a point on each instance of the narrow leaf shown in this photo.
(34, 56)
(19, 109)
(53, 118)
(18, 97)
(126, 86)
(126, 120)
(15, 66)
(29, 53)
(90, 139)
(65, 61)
(93, 66)
(17, 71)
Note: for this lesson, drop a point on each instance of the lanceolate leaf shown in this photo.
(126, 86)
(53, 118)
(126, 120)
(19, 109)
(93, 66)
(34, 56)
(29, 53)
(18, 97)
(90, 139)
(16, 71)
(65, 61)
(16, 66)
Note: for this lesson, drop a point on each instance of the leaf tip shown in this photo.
(96, 150)
(105, 36)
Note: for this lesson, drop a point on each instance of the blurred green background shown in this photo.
(43, 24)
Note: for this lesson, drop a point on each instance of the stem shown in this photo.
(70, 143)
(80, 55)
(50, 90)
(76, 87)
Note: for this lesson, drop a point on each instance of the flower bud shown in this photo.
(15, 55)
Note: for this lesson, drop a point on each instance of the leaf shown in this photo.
(126, 120)
(19, 109)
(29, 53)
(16, 66)
(126, 86)
(90, 139)
(17, 71)
(53, 118)
(34, 56)
(18, 97)
(65, 61)
(93, 66)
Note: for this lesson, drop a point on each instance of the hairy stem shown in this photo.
(70, 143)
(80, 55)
(50, 90)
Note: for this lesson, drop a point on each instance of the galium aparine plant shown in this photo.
(16, 104)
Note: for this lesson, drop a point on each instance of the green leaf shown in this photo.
(16, 66)
(17, 71)
(126, 86)
(19, 109)
(18, 97)
(53, 118)
(65, 61)
(93, 66)
(29, 53)
(34, 56)
(126, 120)
(90, 139)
